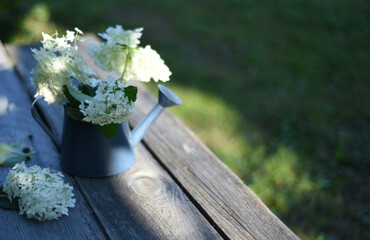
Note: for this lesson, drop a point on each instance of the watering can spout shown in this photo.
(166, 98)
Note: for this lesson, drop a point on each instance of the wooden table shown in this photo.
(177, 189)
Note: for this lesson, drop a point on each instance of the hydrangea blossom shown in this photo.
(109, 55)
(146, 64)
(134, 62)
(109, 105)
(42, 194)
(58, 63)
(119, 36)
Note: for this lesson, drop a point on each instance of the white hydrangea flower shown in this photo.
(147, 64)
(42, 194)
(143, 63)
(109, 105)
(109, 55)
(57, 64)
(119, 36)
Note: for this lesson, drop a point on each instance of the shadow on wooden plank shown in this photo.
(17, 125)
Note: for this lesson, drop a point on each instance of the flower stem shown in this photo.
(127, 57)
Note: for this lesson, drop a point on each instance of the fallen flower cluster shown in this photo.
(42, 194)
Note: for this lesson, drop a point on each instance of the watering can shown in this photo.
(86, 152)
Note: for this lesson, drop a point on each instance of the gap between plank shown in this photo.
(75, 178)
(193, 201)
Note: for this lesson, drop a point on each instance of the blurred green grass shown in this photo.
(279, 90)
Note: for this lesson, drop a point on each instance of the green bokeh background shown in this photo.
(279, 90)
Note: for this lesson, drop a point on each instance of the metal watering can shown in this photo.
(86, 152)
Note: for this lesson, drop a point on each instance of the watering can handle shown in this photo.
(42, 124)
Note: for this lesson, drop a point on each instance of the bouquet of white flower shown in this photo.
(61, 76)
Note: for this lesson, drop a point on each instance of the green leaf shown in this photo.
(74, 113)
(15, 153)
(5, 203)
(75, 98)
(131, 93)
(87, 89)
(78, 95)
(71, 100)
(109, 130)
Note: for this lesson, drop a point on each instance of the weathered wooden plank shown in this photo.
(219, 193)
(146, 203)
(17, 125)
(142, 203)
(22, 68)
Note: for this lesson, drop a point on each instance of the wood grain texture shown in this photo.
(146, 203)
(17, 125)
(142, 203)
(218, 192)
